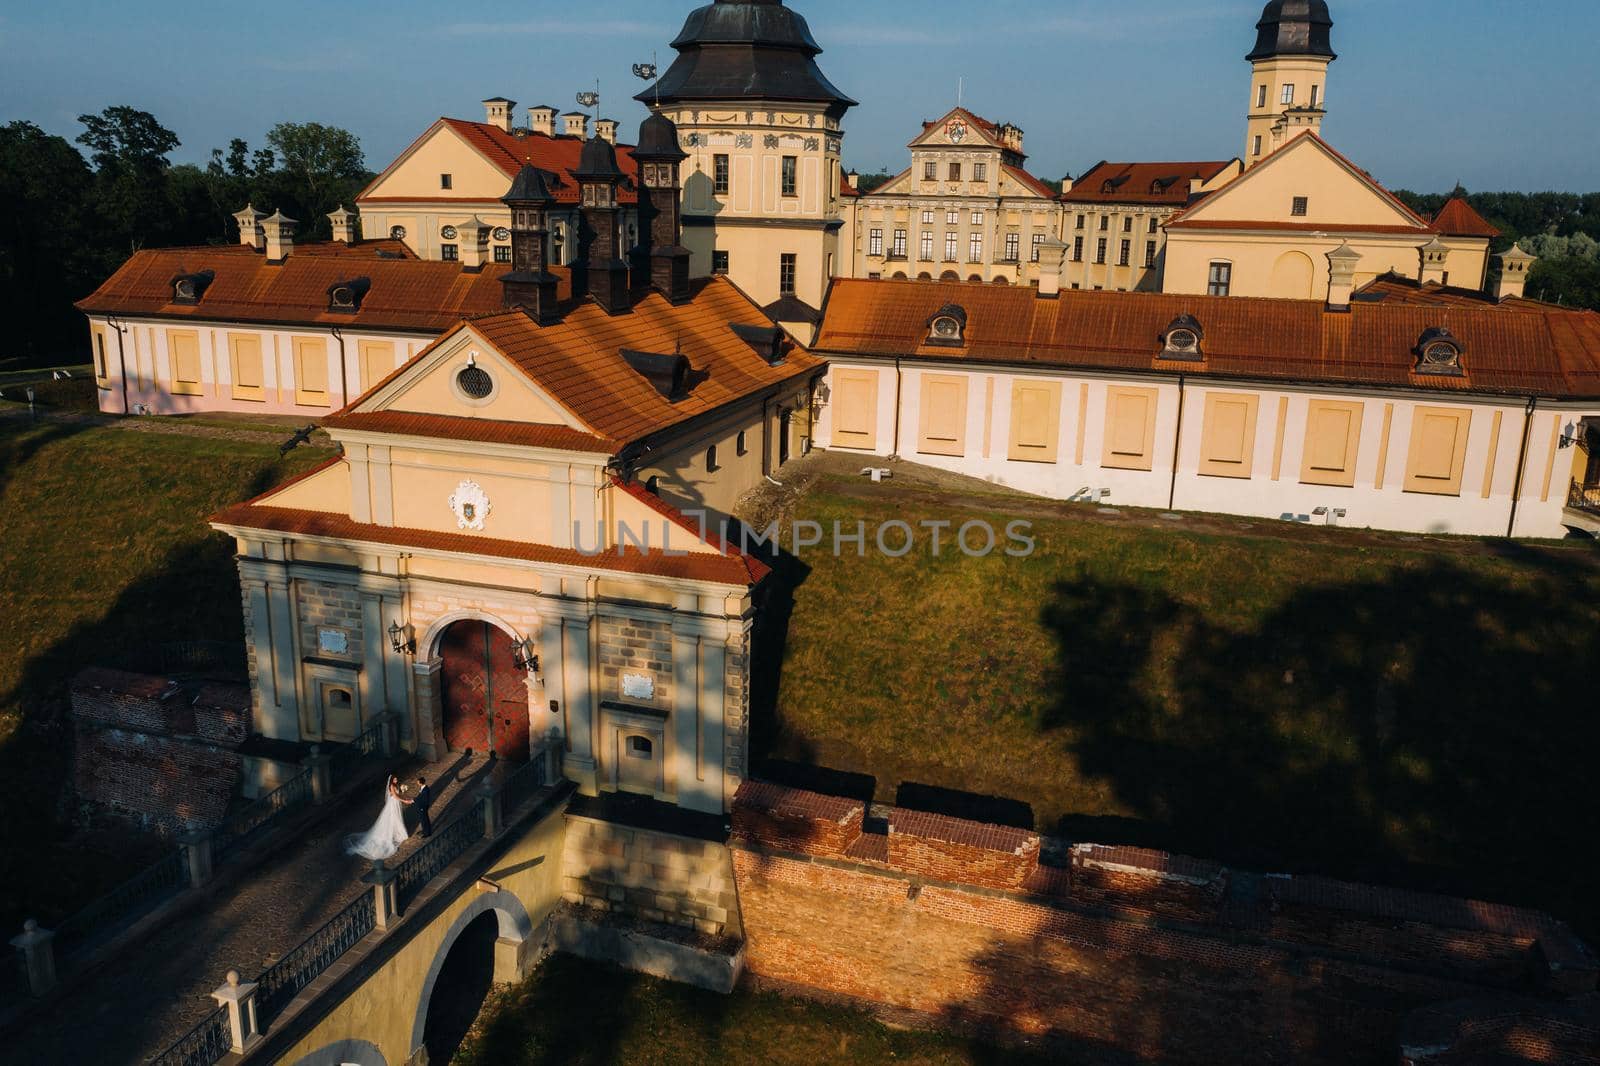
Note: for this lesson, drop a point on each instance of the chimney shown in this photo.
(1512, 280)
(474, 246)
(1052, 258)
(542, 119)
(250, 233)
(497, 112)
(604, 275)
(344, 225)
(1435, 256)
(661, 260)
(530, 285)
(606, 129)
(576, 124)
(1342, 263)
(280, 236)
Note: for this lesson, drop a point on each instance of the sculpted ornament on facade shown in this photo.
(470, 505)
(744, 140)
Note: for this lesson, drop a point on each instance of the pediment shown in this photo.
(939, 134)
(1337, 193)
(440, 150)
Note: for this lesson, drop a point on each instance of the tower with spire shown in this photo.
(1289, 75)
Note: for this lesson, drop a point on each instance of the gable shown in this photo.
(415, 175)
(429, 386)
(937, 134)
(1337, 194)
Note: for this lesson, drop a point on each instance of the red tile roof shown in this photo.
(1547, 352)
(989, 130)
(484, 430)
(1396, 289)
(508, 151)
(1136, 183)
(755, 568)
(1458, 219)
(721, 569)
(1030, 182)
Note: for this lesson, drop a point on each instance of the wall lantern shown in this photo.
(523, 655)
(401, 638)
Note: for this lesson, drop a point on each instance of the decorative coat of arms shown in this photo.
(957, 130)
(470, 505)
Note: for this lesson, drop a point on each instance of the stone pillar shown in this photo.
(555, 744)
(321, 767)
(430, 709)
(389, 734)
(683, 775)
(381, 878)
(493, 816)
(282, 661)
(197, 850)
(38, 956)
(581, 710)
(240, 999)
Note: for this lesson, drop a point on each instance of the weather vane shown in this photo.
(647, 71)
(591, 100)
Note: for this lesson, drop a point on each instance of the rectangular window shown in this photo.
(1077, 249)
(980, 172)
(899, 246)
(1261, 96)
(719, 175)
(1100, 251)
(930, 171)
(1149, 253)
(1038, 241)
(786, 263)
(855, 408)
(1438, 450)
(740, 446)
(719, 262)
(1081, 220)
(925, 247)
(975, 248)
(183, 350)
(449, 252)
(952, 218)
(1127, 224)
(1288, 94)
(955, 171)
(100, 369)
(1333, 437)
(1125, 254)
(927, 217)
(1155, 224)
(244, 359)
(502, 253)
(1316, 95)
(1130, 428)
(1228, 436)
(377, 362)
(950, 239)
(311, 371)
(1256, 150)
(789, 181)
(446, 181)
(1299, 207)
(1013, 246)
(977, 218)
(1035, 421)
(875, 242)
(1221, 279)
(944, 415)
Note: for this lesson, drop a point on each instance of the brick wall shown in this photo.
(636, 646)
(1118, 954)
(326, 605)
(659, 877)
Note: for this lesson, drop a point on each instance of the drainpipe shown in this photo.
(1177, 440)
(122, 361)
(344, 374)
(1522, 461)
(895, 454)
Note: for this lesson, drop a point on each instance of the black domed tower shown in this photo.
(760, 125)
(661, 261)
(1288, 86)
(529, 284)
(603, 274)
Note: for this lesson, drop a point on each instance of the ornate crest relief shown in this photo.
(470, 505)
(957, 130)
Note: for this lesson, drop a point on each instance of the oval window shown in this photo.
(397, 233)
(502, 234)
(448, 233)
(475, 382)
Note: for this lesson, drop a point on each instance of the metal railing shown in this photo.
(283, 980)
(523, 783)
(124, 905)
(445, 847)
(1584, 498)
(203, 1045)
(368, 743)
(244, 826)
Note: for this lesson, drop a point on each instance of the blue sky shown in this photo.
(1497, 94)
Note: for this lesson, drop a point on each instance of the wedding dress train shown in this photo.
(385, 836)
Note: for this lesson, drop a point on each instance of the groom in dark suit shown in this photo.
(422, 802)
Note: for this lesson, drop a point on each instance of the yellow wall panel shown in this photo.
(942, 429)
(1228, 436)
(1438, 452)
(244, 355)
(855, 408)
(1130, 428)
(1333, 439)
(311, 371)
(1035, 421)
(183, 357)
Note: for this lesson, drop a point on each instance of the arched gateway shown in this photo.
(483, 693)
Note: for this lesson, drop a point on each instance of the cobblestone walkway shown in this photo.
(134, 1006)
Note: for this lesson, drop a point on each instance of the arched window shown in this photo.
(640, 748)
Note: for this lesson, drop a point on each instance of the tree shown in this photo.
(129, 149)
(323, 164)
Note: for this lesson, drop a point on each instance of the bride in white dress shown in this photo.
(387, 833)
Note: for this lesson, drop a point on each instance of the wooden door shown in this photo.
(485, 695)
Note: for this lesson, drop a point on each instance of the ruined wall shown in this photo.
(651, 875)
(1120, 954)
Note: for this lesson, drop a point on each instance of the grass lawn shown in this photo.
(584, 1014)
(103, 551)
(1405, 710)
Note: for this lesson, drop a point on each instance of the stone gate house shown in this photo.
(487, 555)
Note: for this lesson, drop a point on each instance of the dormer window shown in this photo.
(345, 296)
(1439, 353)
(948, 327)
(1180, 341)
(188, 288)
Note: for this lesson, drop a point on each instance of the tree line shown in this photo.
(70, 217)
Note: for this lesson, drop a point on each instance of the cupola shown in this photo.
(1294, 28)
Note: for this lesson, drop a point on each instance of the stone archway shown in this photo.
(495, 923)
(483, 695)
(345, 1053)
